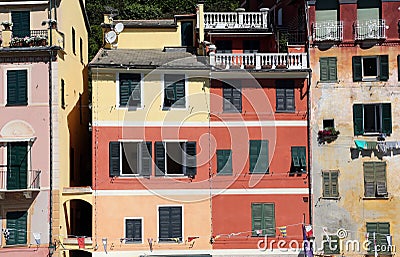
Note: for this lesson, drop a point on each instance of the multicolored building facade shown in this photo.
(43, 123)
(354, 55)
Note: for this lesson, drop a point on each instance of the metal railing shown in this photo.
(35, 38)
(259, 61)
(235, 20)
(328, 31)
(370, 29)
(29, 179)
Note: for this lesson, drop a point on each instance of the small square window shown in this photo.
(329, 123)
(133, 231)
(370, 67)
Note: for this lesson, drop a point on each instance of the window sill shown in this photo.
(130, 108)
(328, 82)
(16, 105)
(133, 243)
(285, 111)
(331, 198)
(375, 198)
(174, 108)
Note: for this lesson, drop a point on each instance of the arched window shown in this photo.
(327, 10)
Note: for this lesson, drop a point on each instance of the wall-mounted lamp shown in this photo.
(52, 249)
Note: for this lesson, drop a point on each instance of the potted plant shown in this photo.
(6, 24)
(327, 135)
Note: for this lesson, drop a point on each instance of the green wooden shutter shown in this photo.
(383, 231)
(164, 223)
(371, 228)
(386, 118)
(269, 218)
(324, 69)
(180, 94)
(303, 158)
(334, 183)
(332, 64)
(187, 33)
(357, 68)
(369, 179)
(326, 184)
(280, 99)
(21, 24)
(237, 99)
(256, 218)
(258, 156)
(384, 67)
(124, 92)
(289, 99)
(17, 226)
(160, 158)
(17, 88)
(133, 230)
(332, 245)
(17, 165)
(176, 222)
(114, 156)
(146, 159)
(295, 157)
(129, 90)
(224, 162)
(380, 178)
(358, 119)
(191, 164)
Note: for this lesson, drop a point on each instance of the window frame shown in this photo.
(30, 23)
(378, 238)
(331, 194)
(142, 230)
(163, 87)
(182, 222)
(28, 82)
(382, 68)
(24, 231)
(298, 169)
(273, 227)
(285, 85)
(328, 68)
(375, 181)
(181, 142)
(253, 168)
(228, 102)
(28, 160)
(73, 40)
(382, 126)
(118, 92)
(222, 172)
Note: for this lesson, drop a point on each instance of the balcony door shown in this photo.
(17, 165)
(21, 24)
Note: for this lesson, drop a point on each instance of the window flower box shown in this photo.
(327, 135)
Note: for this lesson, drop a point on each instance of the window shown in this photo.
(280, 16)
(328, 123)
(174, 91)
(372, 118)
(380, 231)
(17, 226)
(375, 179)
(330, 183)
(232, 95)
(398, 67)
(170, 224)
(223, 46)
(224, 162)
(17, 165)
(130, 90)
(21, 24)
(81, 49)
(299, 164)
(263, 219)
(187, 33)
(258, 155)
(130, 158)
(370, 68)
(285, 96)
(251, 46)
(328, 70)
(133, 231)
(62, 94)
(175, 158)
(17, 87)
(331, 244)
(73, 41)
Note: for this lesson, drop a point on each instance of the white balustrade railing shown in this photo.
(259, 60)
(370, 29)
(328, 31)
(235, 20)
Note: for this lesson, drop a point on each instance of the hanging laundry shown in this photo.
(389, 240)
(309, 231)
(6, 234)
(307, 245)
(81, 242)
(360, 144)
(371, 145)
(36, 236)
(191, 238)
(283, 231)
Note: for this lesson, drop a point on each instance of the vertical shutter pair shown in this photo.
(383, 68)
(375, 179)
(299, 158)
(133, 230)
(285, 95)
(330, 183)
(170, 223)
(129, 89)
(174, 91)
(190, 152)
(21, 24)
(115, 159)
(17, 87)
(258, 156)
(263, 218)
(328, 68)
(358, 118)
(17, 165)
(381, 229)
(232, 96)
(17, 226)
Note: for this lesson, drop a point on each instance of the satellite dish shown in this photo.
(119, 27)
(111, 36)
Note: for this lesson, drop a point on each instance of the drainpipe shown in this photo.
(51, 131)
(308, 117)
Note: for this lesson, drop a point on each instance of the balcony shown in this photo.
(35, 38)
(370, 29)
(236, 20)
(259, 61)
(12, 180)
(328, 31)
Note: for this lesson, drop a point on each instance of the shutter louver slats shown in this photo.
(114, 159)
(358, 119)
(324, 69)
(256, 214)
(159, 158)
(384, 67)
(386, 118)
(332, 63)
(326, 184)
(146, 159)
(357, 68)
(191, 164)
